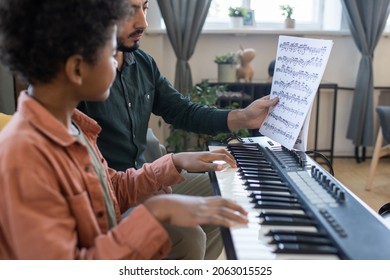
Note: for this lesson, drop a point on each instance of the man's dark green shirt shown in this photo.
(138, 90)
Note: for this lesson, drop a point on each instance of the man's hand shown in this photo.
(252, 116)
(203, 161)
(190, 211)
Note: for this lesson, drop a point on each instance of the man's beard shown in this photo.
(121, 47)
(124, 48)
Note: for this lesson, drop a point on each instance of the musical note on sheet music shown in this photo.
(299, 67)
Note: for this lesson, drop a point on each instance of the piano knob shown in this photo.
(325, 182)
(336, 191)
(319, 177)
(341, 197)
(331, 187)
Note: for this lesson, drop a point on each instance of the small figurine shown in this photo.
(245, 69)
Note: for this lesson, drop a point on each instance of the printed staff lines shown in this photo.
(277, 130)
(300, 74)
(300, 86)
(286, 123)
(281, 106)
(291, 97)
(302, 48)
(314, 61)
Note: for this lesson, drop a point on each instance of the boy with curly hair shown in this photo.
(58, 197)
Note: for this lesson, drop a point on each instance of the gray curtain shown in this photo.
(184, 20)
(366, 20)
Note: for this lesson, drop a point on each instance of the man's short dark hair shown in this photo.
(38, 36)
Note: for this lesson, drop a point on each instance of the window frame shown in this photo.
(276, 25)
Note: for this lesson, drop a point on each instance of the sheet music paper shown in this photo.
(299, 67)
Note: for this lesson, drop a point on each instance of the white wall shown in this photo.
(342, 69)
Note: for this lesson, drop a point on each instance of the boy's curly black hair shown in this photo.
(37, 36)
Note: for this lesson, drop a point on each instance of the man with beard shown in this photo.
(138, 91)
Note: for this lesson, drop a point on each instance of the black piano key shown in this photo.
(274, 198)
(253, 149)
(283, 214)
(268, 193)
(257, 187)
(286, 221)
(262, 177)
(250, 158)
(245, 172)
(249, 154)
(258, 165)
(296, 248)
(265, 182)
(255, 169)
(272, 232)
(283, 238)
(255, 160)
(243, 146)
(276, 205)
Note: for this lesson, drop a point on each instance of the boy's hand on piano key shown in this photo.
(216, 160)
(190, 211)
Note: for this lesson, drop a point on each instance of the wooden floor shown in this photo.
(354, 175)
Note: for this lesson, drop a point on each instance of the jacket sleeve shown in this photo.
(134, 186)
(178, 110)
(38, 223)
(137, 237)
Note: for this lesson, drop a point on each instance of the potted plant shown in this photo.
(227, 64)
(237, 15)
(287, 11)
(180, 140)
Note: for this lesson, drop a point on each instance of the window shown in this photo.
(307, 13)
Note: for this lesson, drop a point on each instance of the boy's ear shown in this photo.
(73, 69)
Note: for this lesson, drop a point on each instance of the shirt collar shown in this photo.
(129, 57)
(44, 121)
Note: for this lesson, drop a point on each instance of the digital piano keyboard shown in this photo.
(297, 210)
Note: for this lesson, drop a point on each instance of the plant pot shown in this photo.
(237, 22)
(289, 23)
(226, 73)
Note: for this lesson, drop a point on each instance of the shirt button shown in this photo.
(87, 168)
(148, 96)
(100, 214)
(129, 104)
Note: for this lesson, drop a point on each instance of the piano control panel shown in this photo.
(297, 210)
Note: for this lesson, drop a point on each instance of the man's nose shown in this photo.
(140, 19)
